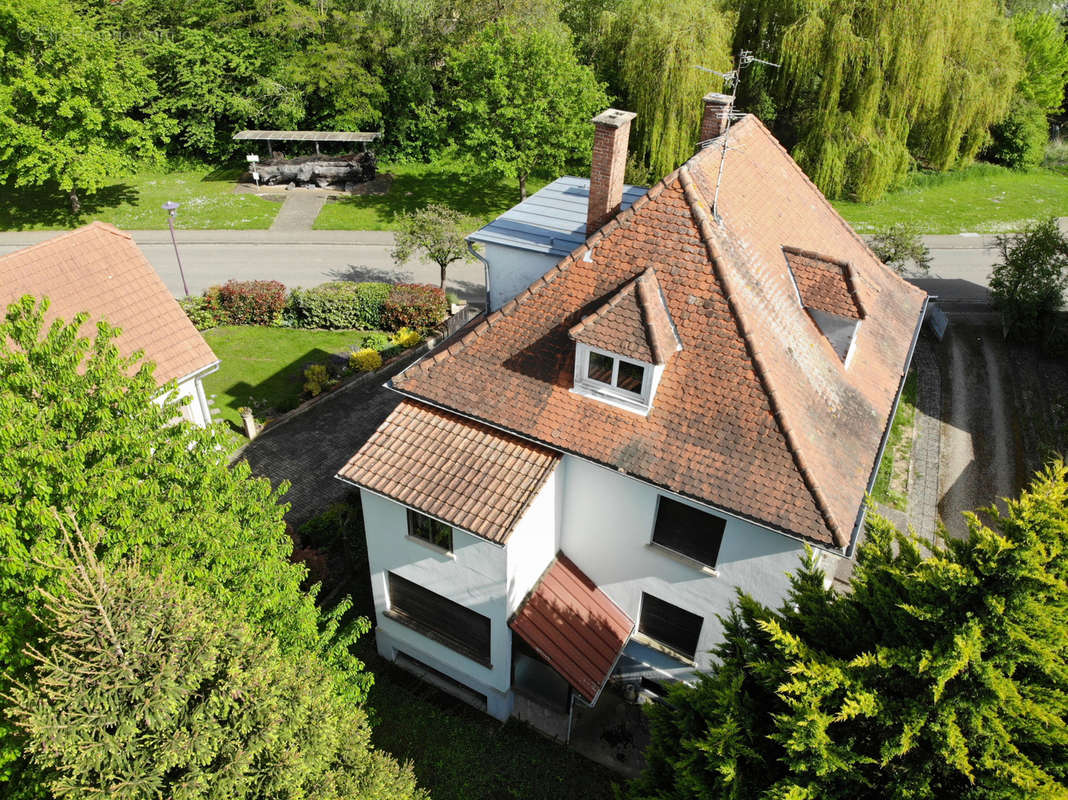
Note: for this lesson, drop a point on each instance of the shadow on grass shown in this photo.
(31, 206)
(224, 175)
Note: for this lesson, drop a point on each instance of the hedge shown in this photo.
(340, 304)
(249, 302)
(414, 305)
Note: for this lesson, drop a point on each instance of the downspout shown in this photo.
(886, 434)
(201, 395)
(485, 270)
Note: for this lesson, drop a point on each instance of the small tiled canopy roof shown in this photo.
(757, 414)
(99, 269)
(634, 323)
(466, 474)
(824, 284)
(574, 626)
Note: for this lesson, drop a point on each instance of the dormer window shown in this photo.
(826, 290)
(622, 348)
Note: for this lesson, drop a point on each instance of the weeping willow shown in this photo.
(655, 45)
(869, 86)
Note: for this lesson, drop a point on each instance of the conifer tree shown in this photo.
(144, 688)
(942, 673)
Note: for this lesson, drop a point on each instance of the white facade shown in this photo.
(510, 270)
(604, 522)
(197, 409)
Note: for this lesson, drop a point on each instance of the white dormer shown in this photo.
(621, 349)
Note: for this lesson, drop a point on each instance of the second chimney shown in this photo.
(611, 132)
(717, 114)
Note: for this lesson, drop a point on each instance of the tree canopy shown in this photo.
(438, 232)
(83, 434)
(1029, 280)
(943, 672)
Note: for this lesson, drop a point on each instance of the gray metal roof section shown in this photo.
(552, 220)
(308, 136)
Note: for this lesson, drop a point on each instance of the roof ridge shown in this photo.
(650, 297)
(704, 226)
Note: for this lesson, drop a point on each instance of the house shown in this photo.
(573, 489)
(100, 270)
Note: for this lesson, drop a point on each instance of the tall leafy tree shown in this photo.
(522, 102)
(1029, 280)
(652, 48)
(143, 688)
(942, 673)
(72, 111)
(83, 432)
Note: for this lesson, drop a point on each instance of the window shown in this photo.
(689, 531)
(616, 372)
(448, 623)
(671, 626)
(429, 530)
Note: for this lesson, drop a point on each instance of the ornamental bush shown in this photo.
(414, 305)
(202, 313)
(406, 338)
(252, 302)
(340, 304)
(366, 360)
(316, 378)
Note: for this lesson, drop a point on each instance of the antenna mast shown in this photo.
(731, 79)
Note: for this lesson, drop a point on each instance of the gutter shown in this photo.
(862, 513)
(485, 269)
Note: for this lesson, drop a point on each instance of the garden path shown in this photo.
(299, 210)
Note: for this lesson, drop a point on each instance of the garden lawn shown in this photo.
(979, 199)
(898, 450)
(264, 367)
(476, 195)
(133, 203)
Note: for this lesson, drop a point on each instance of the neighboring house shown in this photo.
(100, 270)
(576, 486)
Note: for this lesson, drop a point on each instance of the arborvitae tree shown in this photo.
(649, 53)
(81, 429)
(866, 87)
(941, 673)
(143, 688)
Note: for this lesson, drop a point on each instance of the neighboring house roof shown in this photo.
(99, 269)
(573, 625)
(824, 283)
(469, 475)
(634, 323)
(757, 414)
(552, 220)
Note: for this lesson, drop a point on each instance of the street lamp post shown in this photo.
(171, 208)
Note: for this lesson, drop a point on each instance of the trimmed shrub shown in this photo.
(200, 311)
(252, 302)
(406, 338)
(366, 360)
(414, 305)
(316, 378)
(340, 304)
(376, 341)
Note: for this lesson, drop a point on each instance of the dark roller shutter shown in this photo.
(455, 626)
(688, 530)
(670, 625)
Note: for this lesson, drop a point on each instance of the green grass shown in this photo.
(133, 203)
(477, 195)
(264, 367)
(898, 447)
(980, 199)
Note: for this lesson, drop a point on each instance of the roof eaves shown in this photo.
(704, 224)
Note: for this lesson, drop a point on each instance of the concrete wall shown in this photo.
(473, 575)
(607, 528)
(511, 270)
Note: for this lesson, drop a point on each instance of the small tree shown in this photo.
(522, 101)
(438, 231)
(1028, 282)
(940, 674)
(900, 246)
(144, 688)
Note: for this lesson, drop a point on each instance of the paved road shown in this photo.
(296, 258)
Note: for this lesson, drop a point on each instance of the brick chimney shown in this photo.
(611, 132)
(717, 112)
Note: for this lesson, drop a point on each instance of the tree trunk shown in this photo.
(443, 267)
(75, 203)
(522, 186)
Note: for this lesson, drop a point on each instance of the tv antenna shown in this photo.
(731, 79)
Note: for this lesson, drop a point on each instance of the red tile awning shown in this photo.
(574, 626)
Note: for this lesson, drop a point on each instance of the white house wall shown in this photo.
(535, 540)
(607, 526)
(196, 410)
(474, 576)
(511, 270)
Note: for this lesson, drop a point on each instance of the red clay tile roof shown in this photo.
(634, 323)
(756, 415)
(824, 284)
(573, 625)
(468, 475)
(99, 269)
